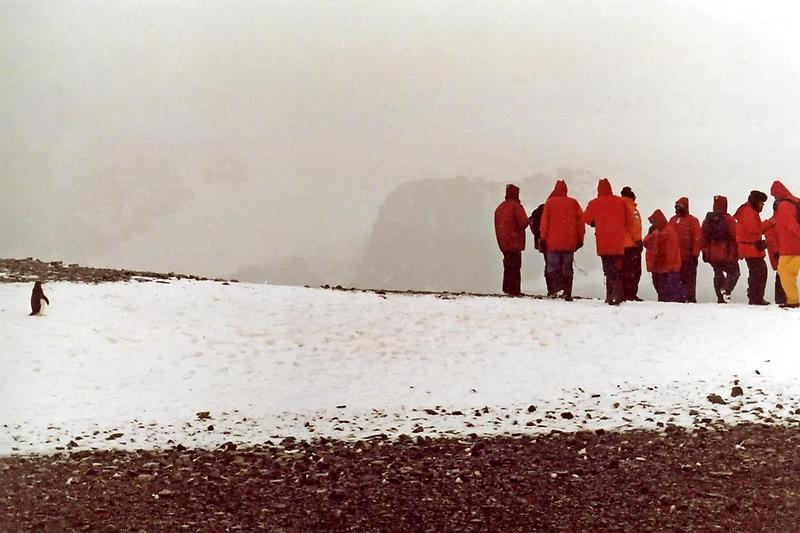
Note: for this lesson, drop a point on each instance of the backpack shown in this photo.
(715, 228)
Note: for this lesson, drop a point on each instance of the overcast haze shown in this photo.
(265, 137)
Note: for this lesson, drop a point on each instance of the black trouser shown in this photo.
(631, 272)
(725, 277)
(612, 266)
(756, 279)
(689, 279)
(512, 266)
(780, 296)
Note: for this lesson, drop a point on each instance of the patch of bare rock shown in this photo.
(739, 479)
(30, 270)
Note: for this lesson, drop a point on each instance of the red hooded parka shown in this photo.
(611, 219)
(663, 253)
(720, 251)
(786, 222)
(510, 222)
(690, 236)
(562, 221)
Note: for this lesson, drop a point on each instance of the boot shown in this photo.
(718, 290)
(617, 296)
(558, 283)
(568, 288)
(550, 280)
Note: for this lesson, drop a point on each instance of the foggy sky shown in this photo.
(203, 137)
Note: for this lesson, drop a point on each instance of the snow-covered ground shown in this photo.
(142, 359)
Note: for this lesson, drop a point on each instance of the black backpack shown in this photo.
(715, 227)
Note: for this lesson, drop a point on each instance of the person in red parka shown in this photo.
(611, 220)
(788, 229)
(562, 232)
(663, 258)
(751, 246)
(510, 222)
(690, 238)
(719, 248)
(773, 246)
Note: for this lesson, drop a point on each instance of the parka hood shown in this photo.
(720, 204)
(560, 189)
(684, 201)
(780, 192)
(512, 192)
(658, 219)
(604, 187)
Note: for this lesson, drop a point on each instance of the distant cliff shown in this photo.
(438, 234)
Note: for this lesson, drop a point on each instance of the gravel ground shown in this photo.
(740, 479)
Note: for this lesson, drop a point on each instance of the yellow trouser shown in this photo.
(788, 267)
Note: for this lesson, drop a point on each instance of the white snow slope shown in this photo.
(142, 359)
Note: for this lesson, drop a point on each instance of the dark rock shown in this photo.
(716, 399)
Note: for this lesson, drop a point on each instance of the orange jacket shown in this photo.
(562, 226)
(634, 234)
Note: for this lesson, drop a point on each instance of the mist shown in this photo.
(292, 142)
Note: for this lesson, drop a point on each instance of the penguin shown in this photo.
(39, 301)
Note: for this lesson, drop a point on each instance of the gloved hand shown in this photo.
(761, 245)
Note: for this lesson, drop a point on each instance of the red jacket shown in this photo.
(719, 250)
(562, 221)
(663, 254)
(771, 236)
(510, 222)
(749, 230)
(611, 219)
(786, 222)
(690, 236)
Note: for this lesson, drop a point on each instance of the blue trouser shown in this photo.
(559, 262)
(558, 267)
(669, 287)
